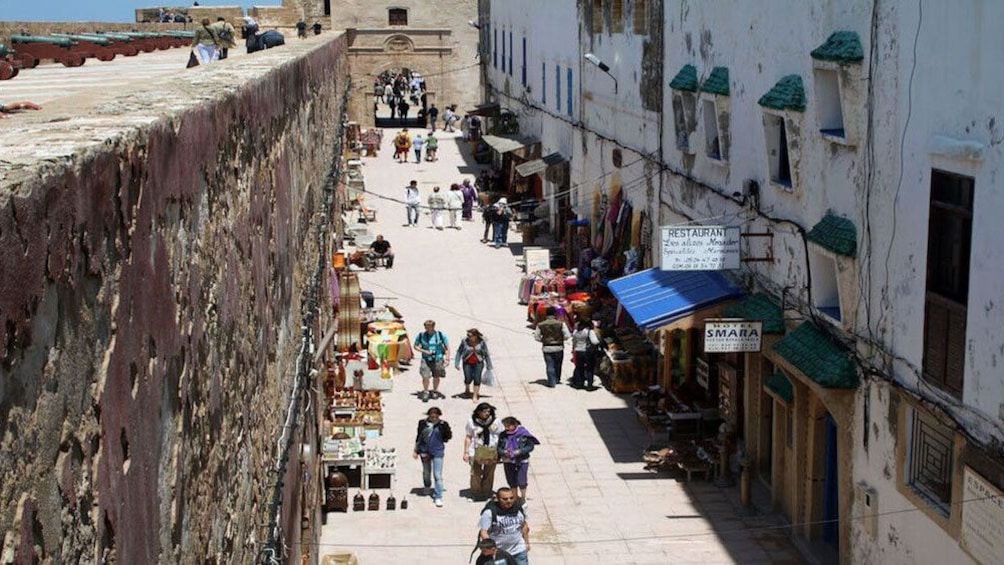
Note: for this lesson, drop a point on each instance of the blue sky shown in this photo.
(95, 10)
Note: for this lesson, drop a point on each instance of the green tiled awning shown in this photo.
(787, 94)
(813, 352)
(781, 386)
(836, 234)
(841, 47)
(686, 79)
(717, 82)
(758, 307)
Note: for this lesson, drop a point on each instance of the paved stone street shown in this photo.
(590, 499)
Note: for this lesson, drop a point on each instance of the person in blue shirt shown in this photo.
(435, 350)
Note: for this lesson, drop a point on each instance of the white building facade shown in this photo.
(857, 145)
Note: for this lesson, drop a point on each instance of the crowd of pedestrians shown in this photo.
(503, 529)
(489, 441)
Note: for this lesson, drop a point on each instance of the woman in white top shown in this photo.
(481, 440)
(585, 344)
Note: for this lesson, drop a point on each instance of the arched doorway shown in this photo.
(405, 104)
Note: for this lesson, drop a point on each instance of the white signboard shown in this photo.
(982, 533)
(537, 259)
(732, 336)
(700, 248)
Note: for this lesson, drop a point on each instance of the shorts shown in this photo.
(429, 369)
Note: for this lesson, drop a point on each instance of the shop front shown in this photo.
(668, 309)
(812, 381)
(508, 152)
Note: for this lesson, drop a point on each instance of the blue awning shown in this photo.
(654, 297)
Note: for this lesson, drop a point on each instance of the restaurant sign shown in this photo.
(700, 248)
(982, 532)
(732, 336)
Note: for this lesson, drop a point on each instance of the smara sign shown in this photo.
(732, 336)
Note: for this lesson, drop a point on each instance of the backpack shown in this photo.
(225, 35)
(494, 507)
(426, 344)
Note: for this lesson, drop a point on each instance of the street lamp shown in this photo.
(602, 66)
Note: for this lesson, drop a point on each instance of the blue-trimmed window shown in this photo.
(495, 49)
(524, 61)
(557, 86)
(570, 91)
(511, 48)
(543, 83)
(503, 51)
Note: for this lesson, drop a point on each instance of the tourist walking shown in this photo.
(402, 144)
(501, 217)
(402, 109)
(433, 116)
(472, 354)
(430, 446)
(417, 145)
(388, 94)
(585, 346)
(504, 520)
(435, 350)
(481, 442)
(412, 201)
(437, 203)
(454, 202)
(226, 34)
(470, 197)
(431, 147)
(449, 118)
(552, 334)
(488, 216)
(515, 445)
(205, 43)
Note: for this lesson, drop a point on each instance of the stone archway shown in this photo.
(409, 100)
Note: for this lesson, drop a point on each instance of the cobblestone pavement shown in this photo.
(590, 499)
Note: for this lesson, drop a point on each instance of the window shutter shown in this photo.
(935, 326)
(955, 365)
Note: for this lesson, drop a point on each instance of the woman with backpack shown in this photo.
(430, 447)
(515, 446)
(481, 449)
(585, 346)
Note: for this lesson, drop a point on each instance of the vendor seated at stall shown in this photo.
(380, 249)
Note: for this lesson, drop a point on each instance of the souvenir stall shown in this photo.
(543, 288)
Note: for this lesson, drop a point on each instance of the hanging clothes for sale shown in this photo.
(349, 312)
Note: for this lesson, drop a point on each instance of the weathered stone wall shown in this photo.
(156, 247)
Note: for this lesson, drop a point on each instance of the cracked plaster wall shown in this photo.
(156, 245)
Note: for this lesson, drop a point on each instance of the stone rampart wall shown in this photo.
(156, 246)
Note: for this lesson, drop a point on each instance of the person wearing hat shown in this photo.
(492, 555)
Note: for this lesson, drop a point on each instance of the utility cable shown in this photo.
(712, 532)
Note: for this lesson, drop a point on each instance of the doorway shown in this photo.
(831, 511)
(406, 104)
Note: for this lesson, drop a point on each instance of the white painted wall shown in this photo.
(953, 89)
